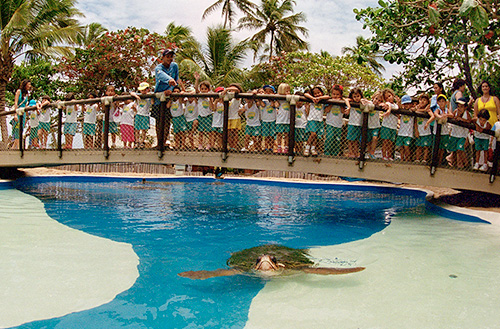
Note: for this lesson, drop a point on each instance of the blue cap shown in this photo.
(270, 87)
(32, 103)
(405, 99)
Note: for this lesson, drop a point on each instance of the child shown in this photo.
(301, 112)
(114, 116)
(70, 124)
(374, 125)
(389, 124)
(268, 117)
(458, 135)
(423, 131)
(234, 118)
(334, 123)
(282, 119)
(141, 123)
(21, 99)
(127, 122)
(34, 123)
(205, 116)
(481, 140)
(355, 122)
(218, 118)
(176, 105)
(89, 122)
(253, 140)
(43, 121)
(191, 114)
(405, 132)
(440, 113)
(315, 119)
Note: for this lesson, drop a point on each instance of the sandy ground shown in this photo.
(464, 199)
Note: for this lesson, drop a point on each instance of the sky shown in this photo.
(331, 23)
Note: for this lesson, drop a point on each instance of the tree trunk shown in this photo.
(271, 46)
(467, 72)
(3, 119)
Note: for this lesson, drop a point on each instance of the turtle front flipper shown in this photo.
(331, 270)
(202, 275)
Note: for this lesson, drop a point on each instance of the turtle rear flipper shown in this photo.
(331, 270)
(202, 275)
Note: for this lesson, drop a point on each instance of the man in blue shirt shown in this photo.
(167, 77)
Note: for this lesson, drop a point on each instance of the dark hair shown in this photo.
(480, 89)
(440, 85)
(355, 91)
(177, 87)
(319, 88)
(457, 84)
(93, 94)
(424, 95)
(299, 93)
(46, 97)
(237, 85)
(484, 113)
(206, 84)
(23, 85)
(69, 96)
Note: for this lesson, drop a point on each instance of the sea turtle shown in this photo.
(269, 259)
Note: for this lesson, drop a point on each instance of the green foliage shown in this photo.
(122, 58)
(303, 69)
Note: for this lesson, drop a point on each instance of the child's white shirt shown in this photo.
(252, 115)
(90, 114)
(268, 113)
(128, 114)
(316, 112)
(283, 113)
(204, 107)
(71, 114)
(391, 121)
(300, 117)
(191, 111)
(334, 118)
(144, 107)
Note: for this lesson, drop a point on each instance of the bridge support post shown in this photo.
(364, 134)
(496, 158)
(225, 126)
(21, 137)
(59, 129)
(292, 99)
(161, 136)
(105, 138)
(435, 149)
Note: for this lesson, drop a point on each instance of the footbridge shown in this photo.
(230, 147)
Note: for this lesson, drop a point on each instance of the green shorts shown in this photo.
(403, 141)
(315, 127)
(141, 122)
(353, 133)
(205, 123)
(252, 131)
(282, 128)
(34, 132)
(333, 140)
(89, 129)
(189, 125)
(424, 141)
(456, 144)
(113, 127)
(481, 144)
(70, 128)
(268, 129)
(44, 126)
(388, 133)
(443, 142)
(180, 124)
(372, 133)
(301, 135)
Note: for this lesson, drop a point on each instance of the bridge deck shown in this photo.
(372, 170)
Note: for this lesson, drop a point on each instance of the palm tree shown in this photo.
(90, 33)
(182, 37)
(364, 52)
(220, 58)
(228, 9)
(270, 18)
(33, 28)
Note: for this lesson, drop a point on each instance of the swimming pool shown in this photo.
(418, 265)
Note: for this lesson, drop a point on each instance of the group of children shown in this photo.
(320, 127)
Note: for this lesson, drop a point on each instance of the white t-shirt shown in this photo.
(33, 119)
(191, 111)
(391, 121)
(334, 117)
(445, 129)
(253, 115)
(268, 113)
(128, 114)
(90, 113)
(422, 131)
(374, 120)
(355, 117)
(114, 113)
(316, 112)
(144, 107)
(176, 109)
(479, 135)
(44, 115)
(459, 131)
(71, 114)
(406, 126)
(204, 107)
(300, 117)
(234, 107)
(217, 119)
(283, 113)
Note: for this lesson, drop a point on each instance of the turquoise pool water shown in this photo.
(191, 224)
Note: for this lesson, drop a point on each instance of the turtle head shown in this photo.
(267, 263)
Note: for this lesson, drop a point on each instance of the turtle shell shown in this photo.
(292, 258)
